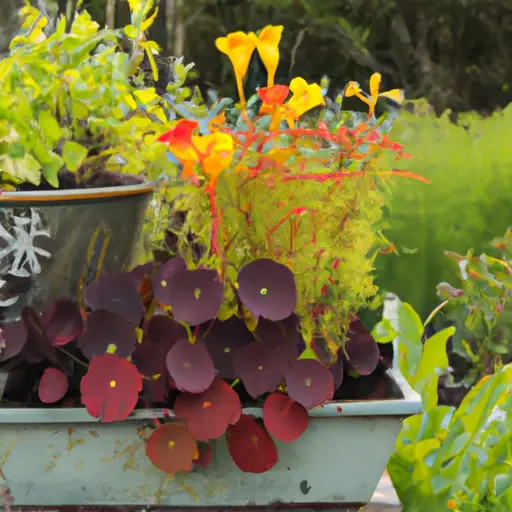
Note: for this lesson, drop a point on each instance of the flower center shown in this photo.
(113, 383)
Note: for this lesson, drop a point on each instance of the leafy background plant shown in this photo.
(448, 458)
(465, 205)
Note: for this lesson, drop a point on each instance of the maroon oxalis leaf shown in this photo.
(262, 365)
(362, 350)
(195, 296)
(37, 348)
(171, 448)
(163, 328)
(110, 388)
(105, 328)
(53, 386)
(155, 390)
(338, 371)
(190, 365)
(284, 418)
(15, 336)
(223, 340)
(310, 383)
(208, 414)
(116, 293)
(267, 288)
(250, 446)
(62, 322)
(163, 281)
(162, 334)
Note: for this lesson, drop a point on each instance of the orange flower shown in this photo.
(217, 122)
(214, 151)
(353, 89)
(273, 99)
(239, 47)
(452, 504)
(305, 97)
(268, 48)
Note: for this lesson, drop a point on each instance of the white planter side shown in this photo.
(61, 461)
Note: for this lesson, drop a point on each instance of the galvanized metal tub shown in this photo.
(63, 457)
(54, 242)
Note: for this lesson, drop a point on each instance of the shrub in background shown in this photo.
(469, 165)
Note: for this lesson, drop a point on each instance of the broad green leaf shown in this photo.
(434, 361)
(383, 332)
(74, 155)
(50, 126)
(51, 167)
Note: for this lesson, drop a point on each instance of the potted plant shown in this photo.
(236, 373)
(480, 308)
(77, 167)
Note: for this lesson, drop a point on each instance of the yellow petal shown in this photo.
(298, 85)
(305, 96)
(375, 80)
(268, 48)
(239, 47)
(352, 89)
(397, 95)
(271, 34)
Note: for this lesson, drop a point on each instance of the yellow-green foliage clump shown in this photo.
(466, 204)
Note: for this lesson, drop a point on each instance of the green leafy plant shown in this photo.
(421, 361)
(448, 458)
(481, 309)
(458, 459)
(78, 100)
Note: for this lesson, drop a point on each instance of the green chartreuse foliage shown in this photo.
(78, 99)
(469, 165)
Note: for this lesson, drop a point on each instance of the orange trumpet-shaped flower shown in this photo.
(273, 99)
(267, 44)
(353, 89)
(213, 152)
(305, 97)
(239, 47)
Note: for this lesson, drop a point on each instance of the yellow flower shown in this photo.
(305, 97)
(239, 47)
(268, 48)
(353, 89)
(215, 152)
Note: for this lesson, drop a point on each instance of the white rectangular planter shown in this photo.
(63, 457)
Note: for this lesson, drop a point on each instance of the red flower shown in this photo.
(110, 388)
(274, 95)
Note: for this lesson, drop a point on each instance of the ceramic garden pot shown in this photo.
(63, 457)
(53, 243)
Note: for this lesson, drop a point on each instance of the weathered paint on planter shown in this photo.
(63, 457)
(54, 242)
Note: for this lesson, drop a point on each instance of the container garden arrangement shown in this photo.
(235, 372)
